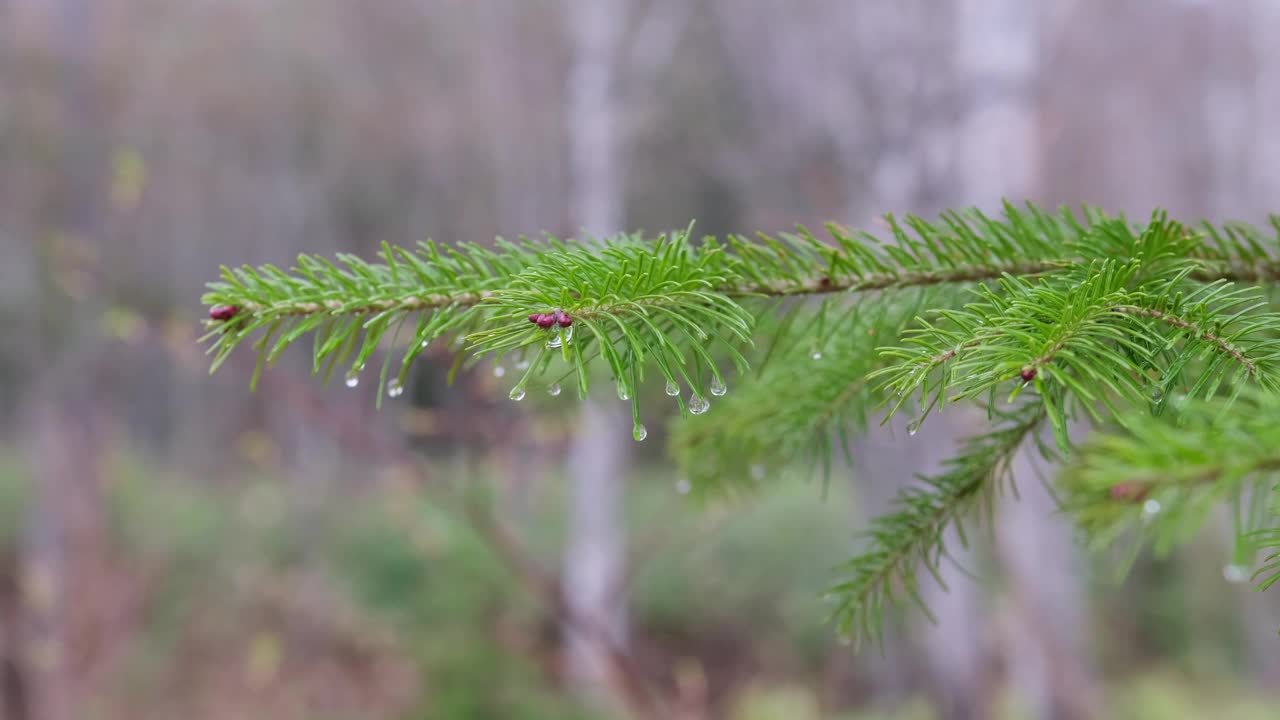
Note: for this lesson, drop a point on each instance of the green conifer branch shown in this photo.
(906, 541)
(1157, 478)
(1079, 315)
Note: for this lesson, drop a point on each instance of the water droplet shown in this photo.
(757, 472)
(562, 337)
(683, 487)
(1235, 573)
(522, 365)
(517, 393)
(699, 404)
(622, 392)
(499, 371)
(1157, 394)
(1150, 509)
(718, 387)
(639, 432)
(553, 389)
(816, 355)
(394, 388)
(353, 378)
(672, 389)
(424, 344)
(913, 427)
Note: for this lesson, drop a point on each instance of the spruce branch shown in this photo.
(808, 395)
(1098, 331)
(1084, 313)
(901, 543)
(1158, 477)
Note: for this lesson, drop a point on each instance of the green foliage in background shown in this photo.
(1159, 334)
(394, 564)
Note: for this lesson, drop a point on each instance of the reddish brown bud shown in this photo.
(223, 312)
(1130, 492)
(533, 318)
(563, 318)
(546, 320)
(1028, 374)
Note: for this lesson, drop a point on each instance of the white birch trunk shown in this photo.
(999, 48)
(595, 552)
(1260, 609)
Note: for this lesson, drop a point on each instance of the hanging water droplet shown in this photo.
(353, 378)
(394, 388)
(683, 487)
(672, 389)
(424, 344)
(640, 432)
(699, 404)
(522, 365)
(1150, 509)
(1157, 394)
(553, 389)
(499, 371)
(718, 387)
(816, 355)
(554, 342)
(517, 393)
(757, 472)
(568, 334)
(913, 427)
(622, 392)
(1235, 573)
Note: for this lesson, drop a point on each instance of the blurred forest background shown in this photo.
(174, 546)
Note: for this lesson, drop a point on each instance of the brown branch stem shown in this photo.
(1183, 324)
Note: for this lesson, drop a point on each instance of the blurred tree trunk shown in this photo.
(1262, 187)
(63, 529)
(999, 51)
(610, 67)
(954, 650)
(1047, 618)
(596, 547)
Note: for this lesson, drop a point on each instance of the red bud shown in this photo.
(563, 318)
(1028, 374)
(533, 318)
(546, 320)
(1129, 491)
(223, 312)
